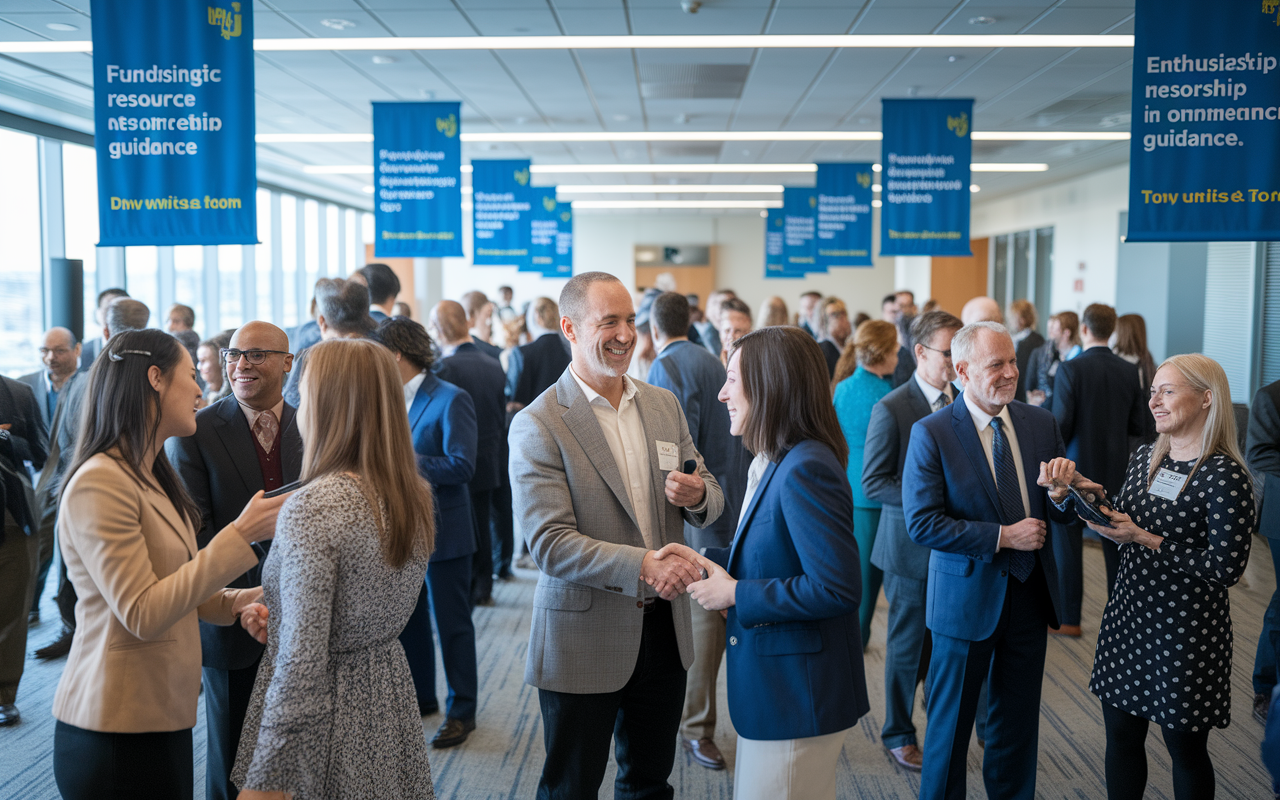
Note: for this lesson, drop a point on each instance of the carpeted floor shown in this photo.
(503, 757)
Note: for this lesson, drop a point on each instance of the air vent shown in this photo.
(692, 81)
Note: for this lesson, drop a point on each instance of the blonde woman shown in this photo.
(333, 713)
(1183, 521)
(772, 312)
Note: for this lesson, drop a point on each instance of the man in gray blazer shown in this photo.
(600, 499)
(905, 563)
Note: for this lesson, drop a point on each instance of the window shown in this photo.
(142, 279)
(355, 247)
(21, 280)
(263, 264)
(289, 258)
(188, 284)
(311, 241)
(1021, 269)
(333, 259)
(230, 313)
(80, 217)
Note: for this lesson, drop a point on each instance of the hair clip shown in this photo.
(115, 355)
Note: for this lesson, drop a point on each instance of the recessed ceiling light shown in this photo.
(975, 188)
(621, 117)
(61, 26)
(337, 24)
(954, 59)
(427, 94)
(383, 60)
(981, 20)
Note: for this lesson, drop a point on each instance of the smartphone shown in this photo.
(690, 466)
(288, 487)
(1089, 506)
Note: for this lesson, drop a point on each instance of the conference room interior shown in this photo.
(672, 155)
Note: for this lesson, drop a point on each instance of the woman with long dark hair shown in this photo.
(127, 699)
(791, 580)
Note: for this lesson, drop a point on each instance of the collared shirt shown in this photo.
(252, 416)
(411, 388)
(982, 421)
(754, 473)
(931, 394)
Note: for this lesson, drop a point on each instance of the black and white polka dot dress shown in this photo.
(1164, 650)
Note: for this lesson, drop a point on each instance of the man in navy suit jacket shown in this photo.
(442, 419)
(971, 492)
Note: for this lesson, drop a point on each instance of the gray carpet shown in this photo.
(503, 757)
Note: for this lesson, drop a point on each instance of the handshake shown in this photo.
(676, 569)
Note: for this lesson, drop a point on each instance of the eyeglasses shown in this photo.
(252, 356)
(945, 353)
(57, 351)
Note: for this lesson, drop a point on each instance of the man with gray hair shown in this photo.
(982, 477)
(342, 312)
(600, 497)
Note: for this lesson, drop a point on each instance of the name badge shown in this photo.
(668, 456)
(1167, 484)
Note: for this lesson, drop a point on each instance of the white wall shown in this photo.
(1085, 215)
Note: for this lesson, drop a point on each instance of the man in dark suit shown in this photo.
(245, 443)
(533, 367)
(342, 312)
(973, 492)
(480, 322)
(22, 439)
(1099, 403)
(696, 377)
(384, 288)
(808, 312)
(481, 377)
(442, 419)
(834, 329)
(1262, 447)
(905, 563)
(1022, 318)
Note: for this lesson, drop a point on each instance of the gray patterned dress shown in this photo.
(333, 713)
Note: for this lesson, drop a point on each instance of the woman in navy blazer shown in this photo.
(791, 579)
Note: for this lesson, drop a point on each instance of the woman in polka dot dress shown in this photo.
(1183, 521)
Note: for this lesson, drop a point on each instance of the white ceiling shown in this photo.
(603, 90)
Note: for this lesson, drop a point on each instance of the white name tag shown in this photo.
(668, 456)
(1167, 484)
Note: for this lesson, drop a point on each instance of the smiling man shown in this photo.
(599, 494)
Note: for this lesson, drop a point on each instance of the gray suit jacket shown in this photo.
(887, 436)
(573, 510)
(36, 381)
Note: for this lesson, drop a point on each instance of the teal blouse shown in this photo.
(855, 396)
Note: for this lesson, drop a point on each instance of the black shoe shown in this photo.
(58, 648)
(1261, 704)
(504, 575)
(452, 733)
(428, 710)
(33, 618)
(9, 715)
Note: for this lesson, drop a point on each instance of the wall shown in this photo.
(1084, 213)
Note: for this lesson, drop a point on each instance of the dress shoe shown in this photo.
(504, 575)
(526, 562)
(9, 715)
(428, 710)
(452, 733)
(33, 618)
(908, 756)
(1261, 704)
(705, 752)
(58, 648)
(1073, 631)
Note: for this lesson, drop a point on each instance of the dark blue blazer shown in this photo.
(491, 350)
(794, 646)
(950, 503)
(443, 421)
(481, 377)
(1099, 403)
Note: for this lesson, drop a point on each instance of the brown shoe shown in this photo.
(908, 757)
(453, 732)
(58, 648)
(1073, 631)
(705, 752)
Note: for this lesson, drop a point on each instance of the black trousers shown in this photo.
(482, 561)
(503, 525)
(643, 717)
(226, 701)
(90, 765)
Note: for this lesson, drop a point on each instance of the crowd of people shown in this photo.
(290, 521)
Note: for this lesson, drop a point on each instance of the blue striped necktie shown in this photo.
(1021, 562)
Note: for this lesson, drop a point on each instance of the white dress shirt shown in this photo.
(931, 394)
(754, 473)
(982, 421)
(411, 388)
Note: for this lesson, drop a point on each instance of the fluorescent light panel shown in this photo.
(685, 204)
(767, 41)
(586, 169)
(703, 136)
(657, 188)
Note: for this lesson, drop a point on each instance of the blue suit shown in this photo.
(982, 619)
(442, 419)
(795, 651)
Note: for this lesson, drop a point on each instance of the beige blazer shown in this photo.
(142, 585)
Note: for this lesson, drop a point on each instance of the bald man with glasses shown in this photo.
(244, 443)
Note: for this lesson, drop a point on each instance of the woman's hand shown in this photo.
(258, 520)
(253, 618)
(717, 592)
(1124, 531)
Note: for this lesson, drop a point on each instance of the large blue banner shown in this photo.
(925, 159)
(774, 264)
(501, 203)
(173, 110)
(544, 224)
(1203, 158)
(844, 215)
(799, 247)
(564, 242)
(417, 165)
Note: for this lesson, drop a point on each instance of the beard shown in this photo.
(601, 362)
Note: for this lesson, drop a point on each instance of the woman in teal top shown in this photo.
(874, 351)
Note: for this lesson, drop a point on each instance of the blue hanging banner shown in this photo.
(774, 264)
(1203, 161)
(564, 242)
(544, 223)
(173, 111)
(925, 157)
(844, 215)
(501, 201)
(799, 247)
(417, 165)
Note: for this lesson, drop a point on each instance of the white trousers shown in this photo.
(787, 769)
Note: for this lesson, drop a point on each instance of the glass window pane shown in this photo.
(21, 289)
(1001, 271)
(1021, 264)
(230, 258)
(262, 258)
(80, 210)
(1044, 273)
(311, 241)
(289, 257)
(140, 274)
(188, 281)
(355, 247)
(332, 221)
